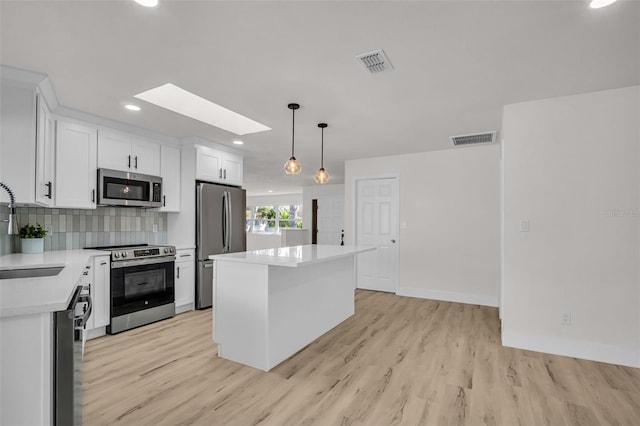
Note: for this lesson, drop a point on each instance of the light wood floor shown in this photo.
(399, 360)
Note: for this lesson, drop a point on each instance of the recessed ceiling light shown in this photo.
(147, 3)
(238, 143)
(597, 4)
(271, 190)
(176, 99)
(132, 107)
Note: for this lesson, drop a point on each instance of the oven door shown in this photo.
(141, 284)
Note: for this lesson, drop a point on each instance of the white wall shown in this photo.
(324, 194)
(571, 168)
(317, 192)
(450, 201)
(270, 200)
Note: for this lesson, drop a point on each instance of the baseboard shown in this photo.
(448, 296)
(184, 308)
(96, 332)
(572, 348)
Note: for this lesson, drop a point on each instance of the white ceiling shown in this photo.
(456, 64)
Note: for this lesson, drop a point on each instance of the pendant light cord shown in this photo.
(322, 150)
(293, 130)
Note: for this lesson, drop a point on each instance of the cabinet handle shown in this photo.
(185, 255)
(93, 195)
(103, 263)
(129, 165)
(178, 269)
(220, 174)
(136, 159)
(48, 185)
(225, 173)
(164, 201)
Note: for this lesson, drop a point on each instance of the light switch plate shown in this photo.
(524, 225)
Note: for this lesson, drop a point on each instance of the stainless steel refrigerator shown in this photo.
(220, 228)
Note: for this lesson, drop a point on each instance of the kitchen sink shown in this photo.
(7, 274)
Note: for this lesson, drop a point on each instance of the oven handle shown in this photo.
(138, 262)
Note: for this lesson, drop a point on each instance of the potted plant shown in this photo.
(32, 237)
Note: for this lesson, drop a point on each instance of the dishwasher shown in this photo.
(69, 328)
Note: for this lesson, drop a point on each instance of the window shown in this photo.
(272, 219)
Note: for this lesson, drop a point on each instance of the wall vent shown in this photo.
(473, 138)
(375, 62)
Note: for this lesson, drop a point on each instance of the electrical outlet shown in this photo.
(566, 318)
(524, 225)
(155, 228)
(49, 229)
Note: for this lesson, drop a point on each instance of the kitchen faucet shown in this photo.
(13, 223)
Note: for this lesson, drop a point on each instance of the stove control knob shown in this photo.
(166, 250)
(116, 254)
(124, 254)
(172, 249)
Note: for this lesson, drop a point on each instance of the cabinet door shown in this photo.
(208, 164)
(101, 291)
(232, 169)
(145, 157)
(75, 178)
(45, 153)
(170, 172)
(17, 141)
(114, 150)
(185, 280)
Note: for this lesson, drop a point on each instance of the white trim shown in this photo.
(572, 348)
(448, 296)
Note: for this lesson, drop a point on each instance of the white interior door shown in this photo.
(330, 220)
(377, 225)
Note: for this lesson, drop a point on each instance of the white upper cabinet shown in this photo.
(129, 153)
(26, 141)
(146, 156)
(208, 164)
(232, 169)
(218, 166)
(170, 172)
(76, 149)
(45, 153)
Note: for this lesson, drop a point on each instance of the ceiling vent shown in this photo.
(375, 62)
(474, 138)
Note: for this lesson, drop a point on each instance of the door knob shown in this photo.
(393, 241)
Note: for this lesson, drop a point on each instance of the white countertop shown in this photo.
(292, 256)
(21, 296)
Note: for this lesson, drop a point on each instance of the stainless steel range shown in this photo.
(142, 285)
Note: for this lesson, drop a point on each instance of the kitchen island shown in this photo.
(268, 304)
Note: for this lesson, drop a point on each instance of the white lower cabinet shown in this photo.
(100, 289)
(26, 374)
(185, 280)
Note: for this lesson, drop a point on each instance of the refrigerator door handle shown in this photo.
(224, 221)
(229, 221)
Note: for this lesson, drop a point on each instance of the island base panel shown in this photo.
(263, 314)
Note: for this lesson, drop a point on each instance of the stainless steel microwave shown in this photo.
(117, 188)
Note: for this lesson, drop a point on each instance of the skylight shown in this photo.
(176, 99)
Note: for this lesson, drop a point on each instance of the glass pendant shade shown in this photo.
(292, 166)
(322, 176)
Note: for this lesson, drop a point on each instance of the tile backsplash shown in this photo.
(75, 229)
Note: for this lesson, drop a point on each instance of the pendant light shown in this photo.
(293, 166)
(322, 176)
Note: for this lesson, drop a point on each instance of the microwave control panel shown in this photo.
(157, 192)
